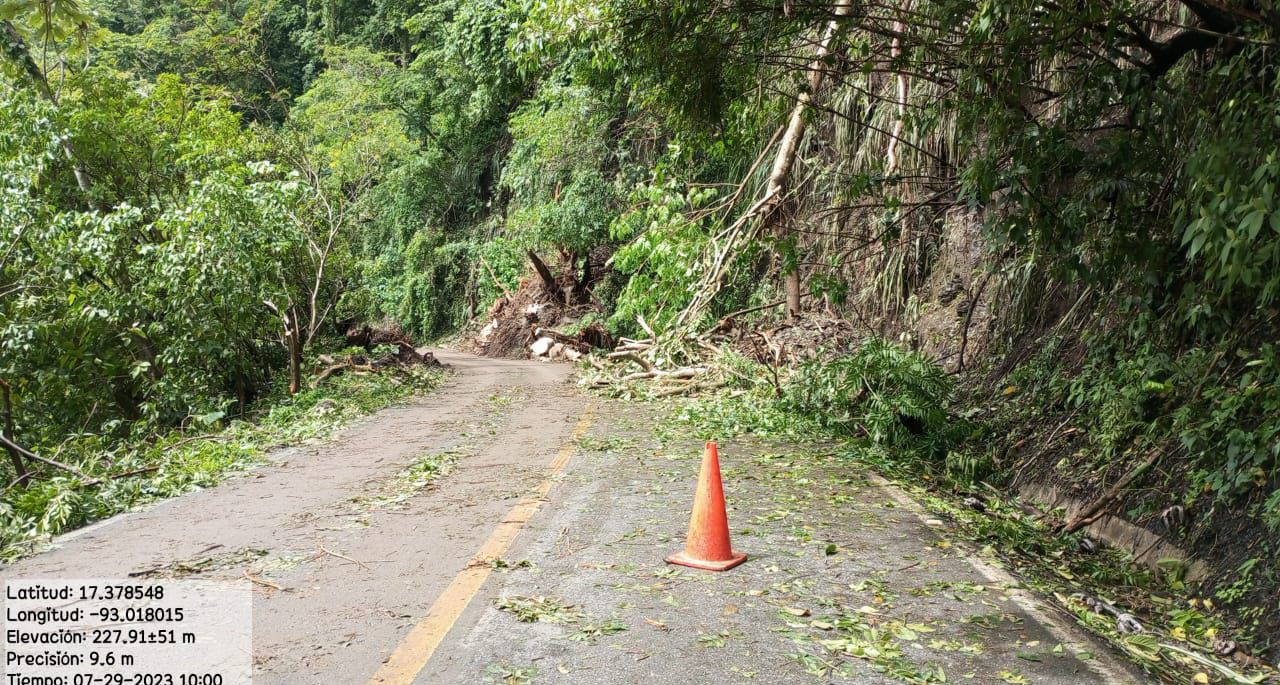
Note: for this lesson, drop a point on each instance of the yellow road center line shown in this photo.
(415, 650)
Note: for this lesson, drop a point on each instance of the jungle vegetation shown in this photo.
(197, 193)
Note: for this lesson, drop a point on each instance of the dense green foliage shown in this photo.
(888, 395)
(173, 462)
(135, 313)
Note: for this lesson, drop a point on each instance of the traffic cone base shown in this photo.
(683, 559)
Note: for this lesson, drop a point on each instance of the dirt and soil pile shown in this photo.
(549, 315)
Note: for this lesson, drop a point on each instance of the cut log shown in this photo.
(688, 372)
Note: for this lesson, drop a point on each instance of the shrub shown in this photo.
(889, 395)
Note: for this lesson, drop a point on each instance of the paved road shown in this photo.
(571, 503)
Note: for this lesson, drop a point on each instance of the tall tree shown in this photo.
(52, 20)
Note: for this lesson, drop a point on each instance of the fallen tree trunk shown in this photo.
(544, 274)
(632, 356)
(328, 371)
(359, 362)
(687, 388)
(559, 337)
(769, 204)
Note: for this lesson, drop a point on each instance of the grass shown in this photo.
(136, 472)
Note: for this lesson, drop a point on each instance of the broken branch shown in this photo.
(85, 478)
(1096, 510)
(631, 356)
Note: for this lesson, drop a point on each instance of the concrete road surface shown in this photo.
(539, 558)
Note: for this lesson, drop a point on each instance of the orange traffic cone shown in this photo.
(708, 544)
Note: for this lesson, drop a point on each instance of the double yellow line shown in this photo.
(415, 650)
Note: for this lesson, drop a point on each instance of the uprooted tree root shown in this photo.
(538, 319)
